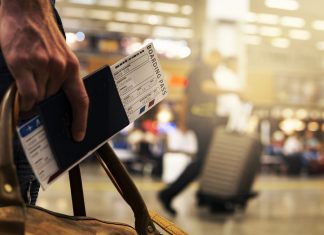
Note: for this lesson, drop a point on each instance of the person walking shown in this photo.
(201, 115)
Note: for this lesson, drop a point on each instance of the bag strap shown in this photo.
(76, 190)
(9, 186)
(127, 188)
(164, 223)
(124, 185)
(144, 219)
(10, 194)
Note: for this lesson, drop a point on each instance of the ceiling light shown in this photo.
(290, 125)
(289, 5)
(252, 40)
(141, 29)
(186, 10)
(300, 125)
(280, 42)
(99, 14)
(185, 33)
(270, 31)
(164, 116)
(178, 21)
(71, 38)
(139, 5)
(179, 53)
(313, 126)
(117, 27)
(73, 12)
(152, 19)
(80, 36)
(86, 2)
(301, 114)
(267, 19)
(71, 23)
(299, 34)
(164, 32)
(166, 7)
(126, 16)
(110, 3)
(133, 46)
(292, 21)
(250, 29)
(318, 24)
(287, 113)
(176, 49)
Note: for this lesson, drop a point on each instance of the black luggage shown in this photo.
(229, 170)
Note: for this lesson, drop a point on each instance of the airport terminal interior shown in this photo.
(263, 168)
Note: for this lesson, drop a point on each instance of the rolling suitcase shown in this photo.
(229, 170)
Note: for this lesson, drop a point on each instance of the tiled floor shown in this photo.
(285, 206)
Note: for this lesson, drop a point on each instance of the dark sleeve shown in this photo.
(58, 21)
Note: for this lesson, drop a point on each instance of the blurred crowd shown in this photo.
(297, 152)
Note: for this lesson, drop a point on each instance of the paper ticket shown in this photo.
(140, 81)
(35, 144)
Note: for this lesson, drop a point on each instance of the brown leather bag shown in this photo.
(17, 218)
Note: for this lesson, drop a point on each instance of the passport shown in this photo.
(106, 117)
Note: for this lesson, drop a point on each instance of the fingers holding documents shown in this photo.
(39, 58)
(78, 97)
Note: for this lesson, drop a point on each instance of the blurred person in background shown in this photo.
(229, 102)
(321, 157)
(292, 152)
(180, 149)
(199, 109)
(35, 56)
(147, 144)
(311, 145)
(311, 153)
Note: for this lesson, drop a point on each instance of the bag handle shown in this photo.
(9, 186)
(126, 187)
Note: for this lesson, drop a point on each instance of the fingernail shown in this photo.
(79, 136)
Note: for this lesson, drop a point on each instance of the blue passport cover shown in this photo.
(106, 117)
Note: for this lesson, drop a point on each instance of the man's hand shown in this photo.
(39, 58)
